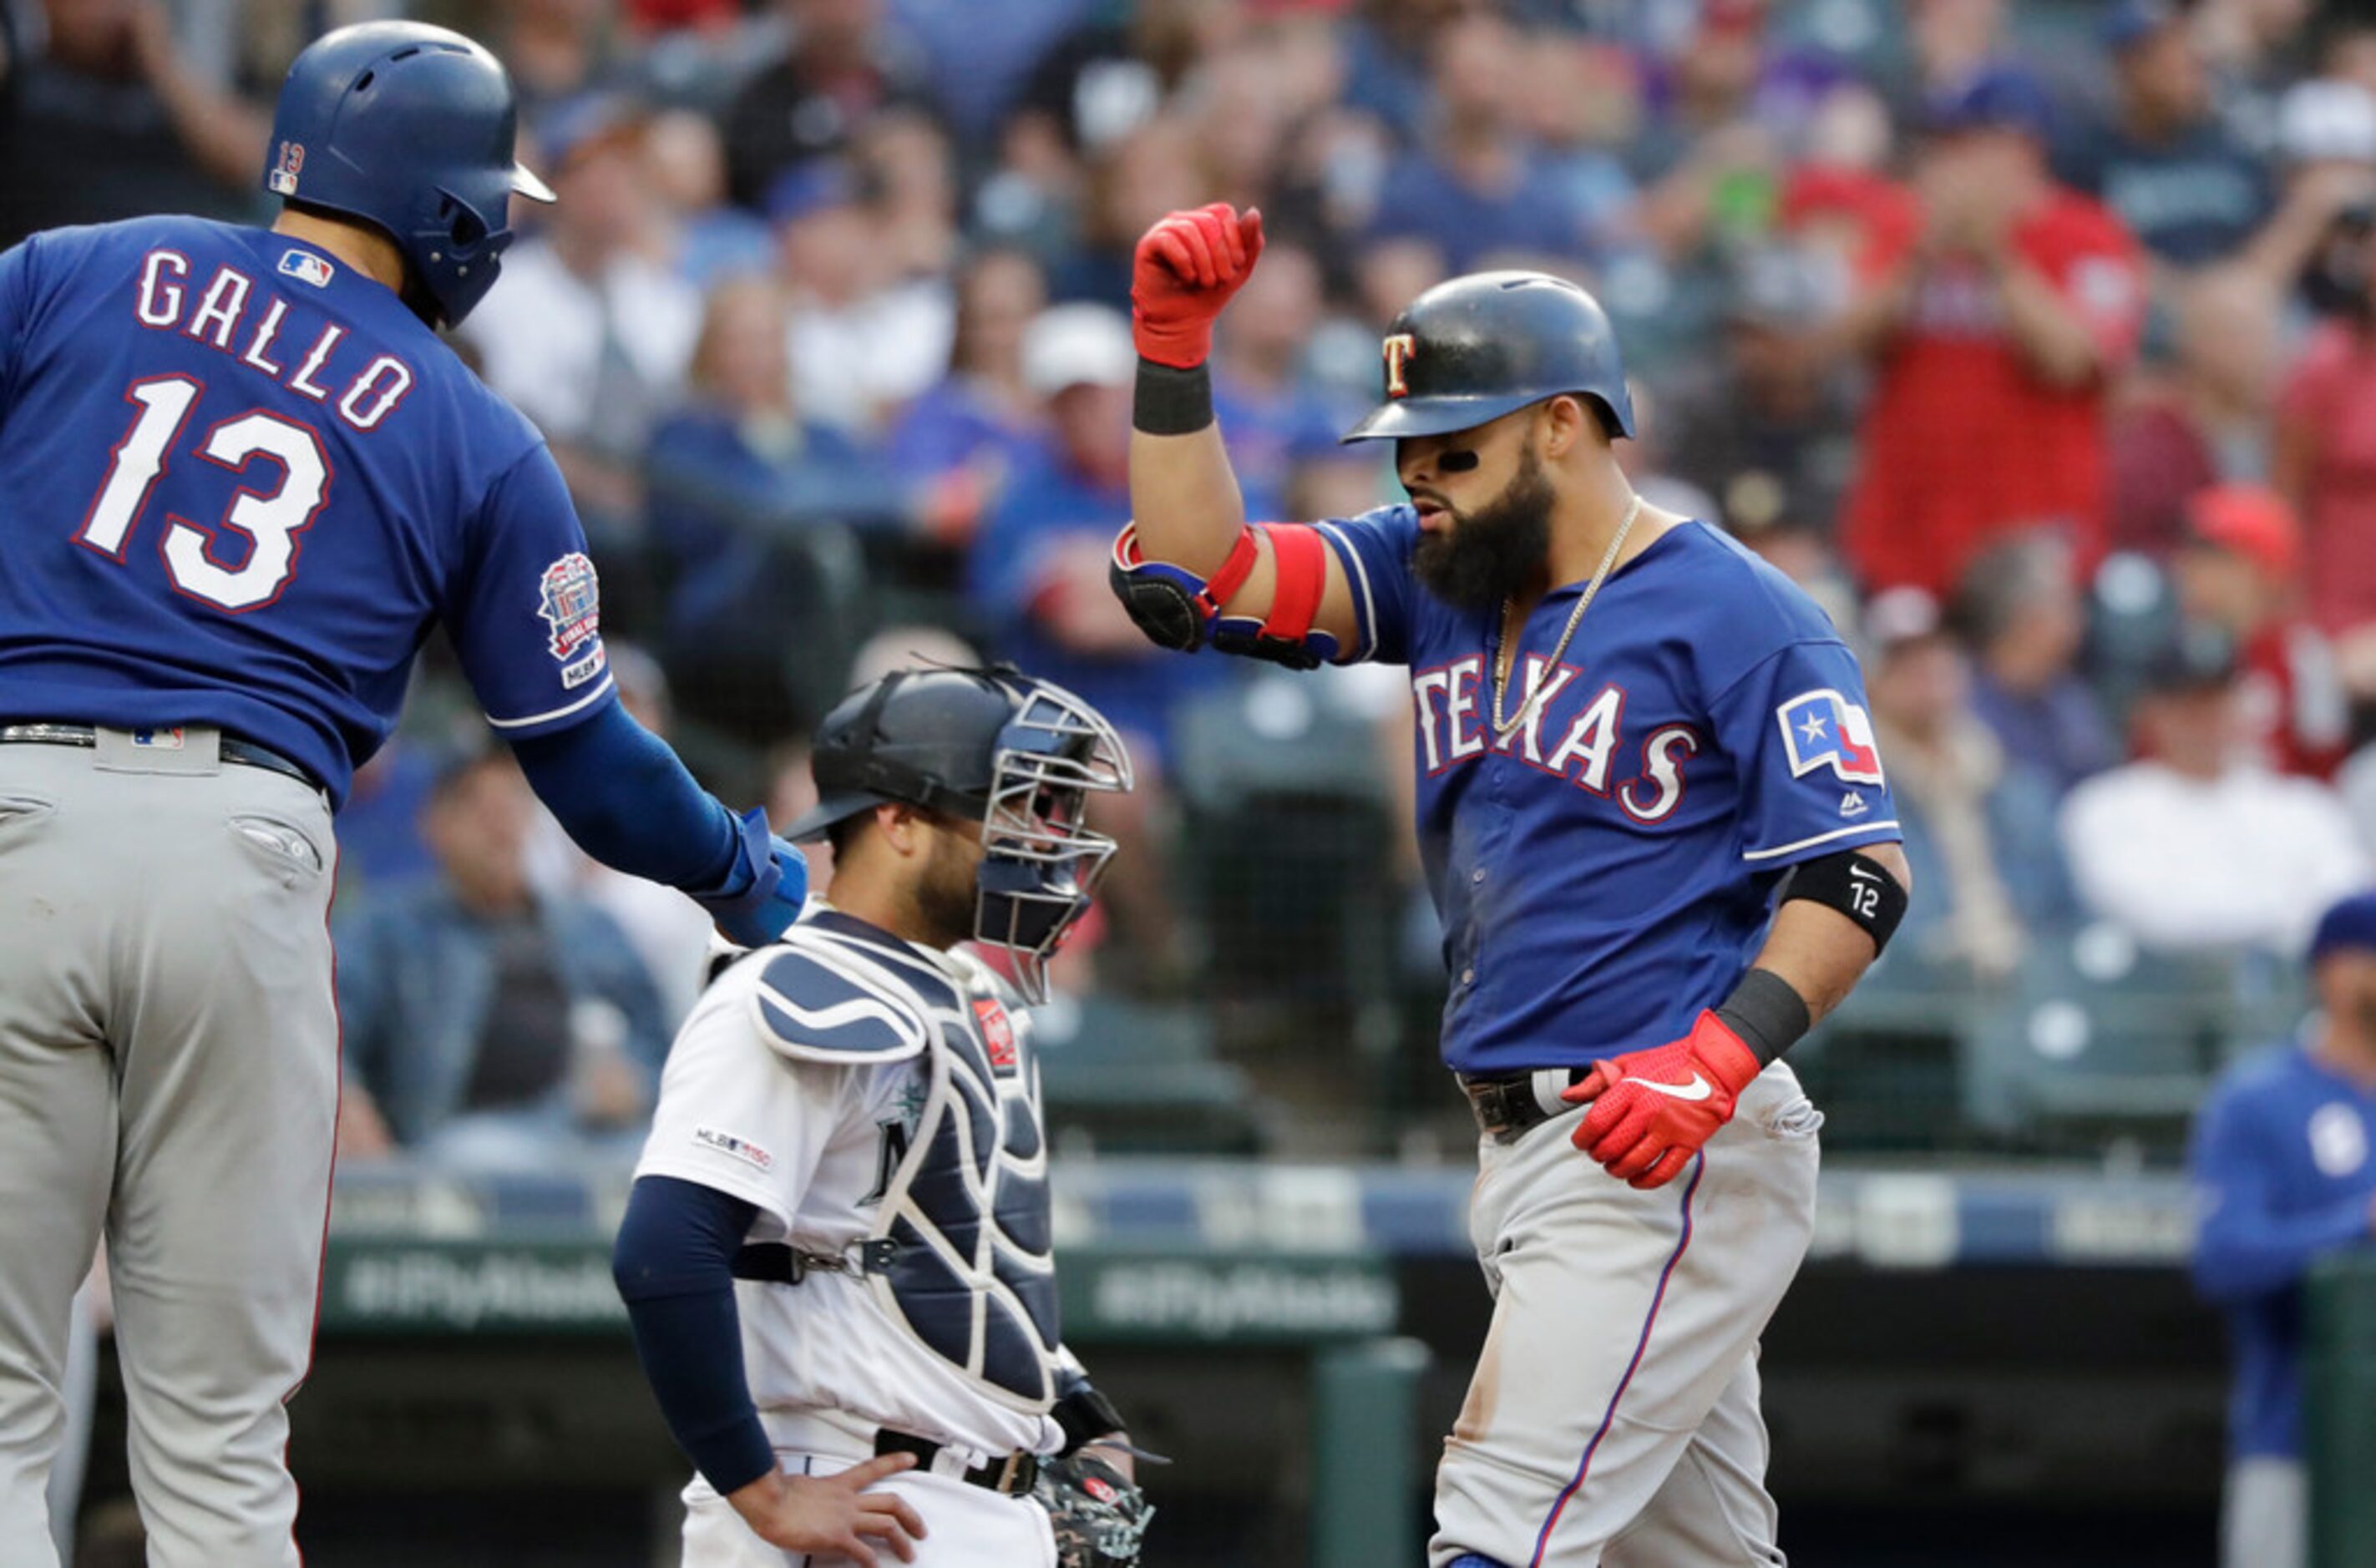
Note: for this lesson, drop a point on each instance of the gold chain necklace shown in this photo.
(1506, 648)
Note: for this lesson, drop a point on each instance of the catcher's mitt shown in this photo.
(1100, 1516)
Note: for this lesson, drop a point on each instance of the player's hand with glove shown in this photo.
(833, 1515)
(1185, 269)
(1652, 1110)
(763, 892)
(1095, 1509)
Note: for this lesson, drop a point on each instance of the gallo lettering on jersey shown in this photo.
(242, 322)
(1566, 734)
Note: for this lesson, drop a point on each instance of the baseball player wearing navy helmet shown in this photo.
(849, 1126)
(240, 476)
(1659, 836)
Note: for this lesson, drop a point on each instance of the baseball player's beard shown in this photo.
(1487, 555)
(948, 892)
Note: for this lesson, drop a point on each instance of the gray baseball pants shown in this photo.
(1612, 1422)
(169, 1078)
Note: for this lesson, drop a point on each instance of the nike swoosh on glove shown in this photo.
(1652, 1110)
(1184, 270)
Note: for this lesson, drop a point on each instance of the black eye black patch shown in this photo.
(1457, 462)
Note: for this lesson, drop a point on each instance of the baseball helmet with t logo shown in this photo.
(1473, 349)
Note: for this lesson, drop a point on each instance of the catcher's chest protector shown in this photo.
(972, 1274)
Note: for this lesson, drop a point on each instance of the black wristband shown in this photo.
(1854, 883)
(1767, 1013)
(1170, 401)
(1084, 1414)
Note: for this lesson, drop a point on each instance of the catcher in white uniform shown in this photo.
(837, 1254)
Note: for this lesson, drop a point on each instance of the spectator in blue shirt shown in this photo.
(2023, 611)
(2164, 160)
(485, 1025)
(2281, 1166)
(973, 417)
(1037, 577)
(1478, 190)
(1278, 424)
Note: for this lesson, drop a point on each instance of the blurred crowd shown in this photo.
(2036, 336)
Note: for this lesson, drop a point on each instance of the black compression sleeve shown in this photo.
(674, 1266)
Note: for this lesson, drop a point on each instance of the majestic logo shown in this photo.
(283, 179)
(1853, 805)
(743, 1149)
(1823, 728)
(997, 1033)
(1400, 350)
(307, 267)
(571, 605)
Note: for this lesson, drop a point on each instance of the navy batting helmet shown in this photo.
(1473, 349)
(410, 128)
(994, 746)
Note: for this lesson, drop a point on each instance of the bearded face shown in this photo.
(1474, 559)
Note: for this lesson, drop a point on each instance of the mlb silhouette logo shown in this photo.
(307, 267)
(283, 179)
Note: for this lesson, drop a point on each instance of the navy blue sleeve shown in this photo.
(674, 1266)
(1799, 730)
(15, 313)
(626, 800)
(2242, 1248)
(525, 610)
(1375, 550)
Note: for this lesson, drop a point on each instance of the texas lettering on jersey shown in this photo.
(1564, 733)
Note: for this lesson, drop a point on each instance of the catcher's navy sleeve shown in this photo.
(627, 801)
(674, 1265)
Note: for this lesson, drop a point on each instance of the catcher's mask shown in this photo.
(1018, 755)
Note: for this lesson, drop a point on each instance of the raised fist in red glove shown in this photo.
(1653, 1110)
(1183, 272)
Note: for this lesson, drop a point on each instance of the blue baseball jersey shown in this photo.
(1606, 869)
(2283, 1176)
(238, 480)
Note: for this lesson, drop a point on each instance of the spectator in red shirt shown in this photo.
(1993, 336)
(2208, 420)
(2324, 462)
(2241, 570)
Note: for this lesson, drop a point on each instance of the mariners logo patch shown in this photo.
(997, 1033)
(283, 178)
(1823, 729)
(307, 267)
(571, 605)
(743, 1149)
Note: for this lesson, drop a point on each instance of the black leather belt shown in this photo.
(1015, 1475)
(1505, 1106)
(247, 753)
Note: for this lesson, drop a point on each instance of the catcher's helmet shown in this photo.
(992, 746)
(1476, 347)
(410, 128)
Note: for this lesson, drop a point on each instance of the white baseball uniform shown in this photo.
(859, 1089)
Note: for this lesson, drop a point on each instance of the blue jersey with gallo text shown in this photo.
(238, 480)
(1605, 871)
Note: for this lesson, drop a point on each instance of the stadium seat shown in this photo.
(1124, 1077)
(2104, 1041)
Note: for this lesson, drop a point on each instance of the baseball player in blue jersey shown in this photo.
(240, 477)
(1661, 842)
(2283, 1177)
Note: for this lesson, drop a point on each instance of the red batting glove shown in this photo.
(1183, 272)
(1652, 1109)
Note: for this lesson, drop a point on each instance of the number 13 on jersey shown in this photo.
(272, 519)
